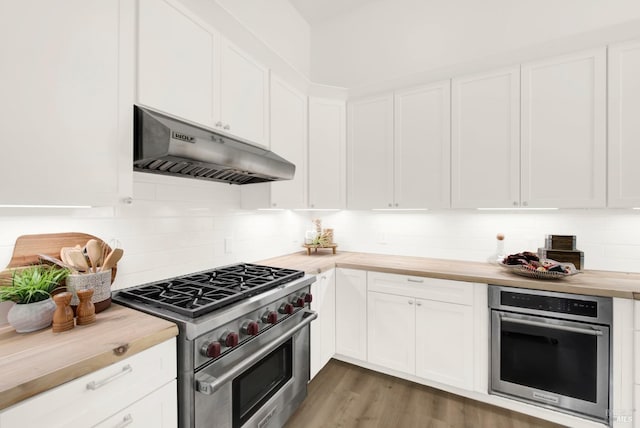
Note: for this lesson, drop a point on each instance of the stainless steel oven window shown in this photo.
(262, 381)
(553, 362)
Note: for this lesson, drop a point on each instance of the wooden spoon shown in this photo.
(77, 259)
(94, 252)
(112, 259)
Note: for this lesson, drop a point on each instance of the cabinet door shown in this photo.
(65, 85)
(157, 410)
(289, 140)
(351, 313)
(327, 153)
(370, 153)
(564, 131)
(444, 343)
(391, 329)
(244, 95)
(485, 140)
(171, 77)
(323, 343)
(624, 126)
(422, 147)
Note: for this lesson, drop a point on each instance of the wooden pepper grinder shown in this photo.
(86, 311)
(63, 316)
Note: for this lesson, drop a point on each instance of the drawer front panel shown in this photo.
(442, 290)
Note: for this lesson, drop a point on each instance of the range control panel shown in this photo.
(564, 305)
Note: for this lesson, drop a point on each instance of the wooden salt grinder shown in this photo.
(63, 316)
(86, 311)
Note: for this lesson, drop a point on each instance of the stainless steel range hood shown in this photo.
(167, 145)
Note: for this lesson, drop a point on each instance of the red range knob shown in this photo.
(270, 317)
(298, 302)
(308, 298)
(230, 339)
(286, 308)
(250, 327)
(211, 349)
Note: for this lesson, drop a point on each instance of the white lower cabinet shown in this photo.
(351, 313)
(444, 342)
(138, 386)
(422, 326)
(323, 329)
(391, 331)
(157, 410)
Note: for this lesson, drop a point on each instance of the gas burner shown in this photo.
(196, 294)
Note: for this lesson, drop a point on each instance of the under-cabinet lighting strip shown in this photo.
(45, 206)
(317, 209)
(400, 209)
(517, 209)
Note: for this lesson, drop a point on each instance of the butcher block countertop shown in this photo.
(32, 363)
(590, 282)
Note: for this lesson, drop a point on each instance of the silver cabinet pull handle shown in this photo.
(93, 385)
(125, 422)
(207, 384)
(590, 332)
(418, 303)
(411, 302)
(415, 280)
(218, 124)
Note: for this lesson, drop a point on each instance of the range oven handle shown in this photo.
(208, 384)
(592, 331)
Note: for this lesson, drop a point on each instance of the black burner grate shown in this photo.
(202, 292)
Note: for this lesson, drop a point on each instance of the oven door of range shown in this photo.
(261, 383)
(555, 363)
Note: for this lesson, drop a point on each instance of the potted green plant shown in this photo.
(30, 289)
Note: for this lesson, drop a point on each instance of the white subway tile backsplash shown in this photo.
(177, 226)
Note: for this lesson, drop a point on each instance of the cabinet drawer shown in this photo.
(158, 410)
(98, 395)
(442, 290)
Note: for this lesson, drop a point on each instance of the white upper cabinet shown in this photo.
(175, 62)
(327, 153)
(244, 95)
(564, 131)
(187, 69)
(288, 140)
(66, 85)
(624, 125)
(370, 153)
(422, 146)
(485, 145)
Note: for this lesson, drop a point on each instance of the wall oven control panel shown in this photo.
(564, 305)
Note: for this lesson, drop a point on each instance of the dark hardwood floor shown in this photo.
(344, 396)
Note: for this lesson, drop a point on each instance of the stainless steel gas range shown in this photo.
(243, 346)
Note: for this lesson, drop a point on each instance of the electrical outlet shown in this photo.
(228, 245)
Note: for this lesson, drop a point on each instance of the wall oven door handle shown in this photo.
(207, 384)
(590, 331)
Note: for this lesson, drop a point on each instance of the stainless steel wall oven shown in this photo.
(552, 349)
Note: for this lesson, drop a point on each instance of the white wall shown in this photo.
(175, 226)
(610, 239)
(279, 25)
(386, 39)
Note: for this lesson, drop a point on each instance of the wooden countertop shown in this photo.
(31, 363)
(589, 282)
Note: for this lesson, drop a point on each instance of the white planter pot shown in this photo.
(31, 316)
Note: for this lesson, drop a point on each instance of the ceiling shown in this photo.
(314, 11)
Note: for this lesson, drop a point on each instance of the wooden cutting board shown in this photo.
(27, 248)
